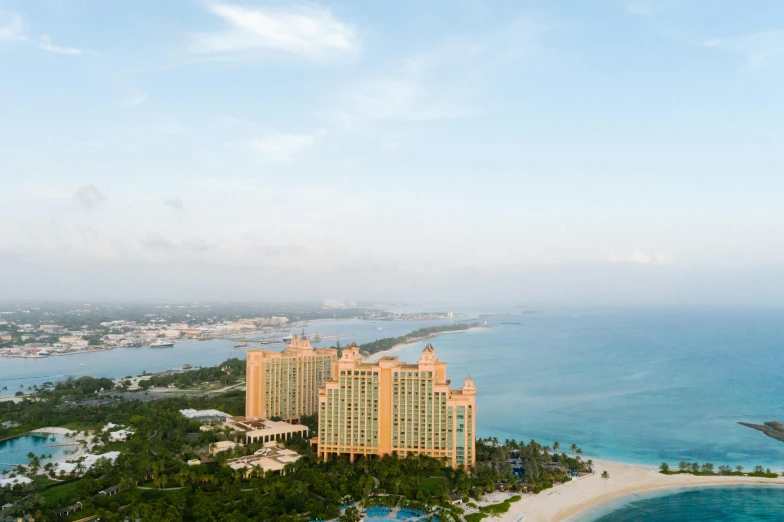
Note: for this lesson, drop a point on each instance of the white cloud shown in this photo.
(136, 99)
(758, 49)
(407, 97)
(47, 45)
(88, 196)
(639, 257)
(311, 32)
(12, 27)
(283, 146)
(640, 7)
(174, 204)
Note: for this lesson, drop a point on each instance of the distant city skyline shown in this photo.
(604, 153)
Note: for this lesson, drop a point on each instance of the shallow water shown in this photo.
(15, 451)
(630, 386)
(712, 504)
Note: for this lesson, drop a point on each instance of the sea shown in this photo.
(640, 386)
(705, 504)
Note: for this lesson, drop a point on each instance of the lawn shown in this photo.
(61, 495)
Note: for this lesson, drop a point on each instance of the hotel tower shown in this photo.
(285, 384)
(392, 407)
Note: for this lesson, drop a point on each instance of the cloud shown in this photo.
(12, 27)
(283, 146)
(88, 196)
(758, 49)
(311, 32)
(640, 7)
(46, 45)
(173, 203)
(408, 98)
(639, 257)
(136, 99)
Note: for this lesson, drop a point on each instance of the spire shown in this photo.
(428, 355)
(468, 384)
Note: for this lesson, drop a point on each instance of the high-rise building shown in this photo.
(392, 407)
(285, 384)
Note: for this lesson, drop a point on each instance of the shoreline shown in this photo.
(573, 500)
(373, 358)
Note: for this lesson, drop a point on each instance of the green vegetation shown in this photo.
(475, 517)
(157, 484)
(389, 342)
(501, 507)
(707, 469)
(228, 373)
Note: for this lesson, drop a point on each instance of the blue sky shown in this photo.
(608, 151)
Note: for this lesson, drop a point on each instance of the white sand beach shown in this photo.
(566, 500)
(378, 355)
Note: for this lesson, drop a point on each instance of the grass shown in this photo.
(61, 495)
(475, 517)
(78, 426)
(501, 507)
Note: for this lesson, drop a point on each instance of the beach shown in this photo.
(378, 355)
(567, 500)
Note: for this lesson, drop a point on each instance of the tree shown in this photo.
(556, 446)
(664, 468)
(350, 515)
(739, 468)
(695, 467)
(683, 465)
(605, 477)
(573, 449)
(707, 467)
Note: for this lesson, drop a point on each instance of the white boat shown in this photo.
(162, 344)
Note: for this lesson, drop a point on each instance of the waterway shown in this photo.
(18, 374)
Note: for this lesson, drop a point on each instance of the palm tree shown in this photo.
(556, 446)
(605, 477)
(579, 453)
(590, 465)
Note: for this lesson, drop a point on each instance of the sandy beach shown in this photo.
(566, 500)
(378, 355)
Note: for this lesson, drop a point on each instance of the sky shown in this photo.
(614, 152)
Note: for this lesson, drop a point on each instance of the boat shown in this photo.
(287, 339)
(161, 344)
(241, 345)
(186, 366)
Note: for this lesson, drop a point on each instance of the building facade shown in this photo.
(285, 384)
(392, 407)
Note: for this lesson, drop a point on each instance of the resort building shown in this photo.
(265, 430)
(285, 384)
(392, 407)
(270, 458)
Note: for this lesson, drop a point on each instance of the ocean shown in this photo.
(707, 504)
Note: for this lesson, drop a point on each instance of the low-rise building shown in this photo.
(265, 430)
(205, 416)
(270, 458)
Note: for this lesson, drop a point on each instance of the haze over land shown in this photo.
(622, 152)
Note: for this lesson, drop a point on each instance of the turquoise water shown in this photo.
(14, 451)
(711, 504)
(630, 386)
